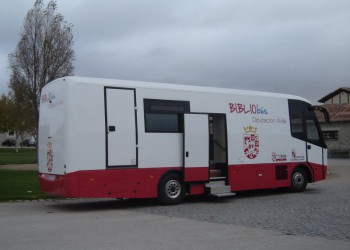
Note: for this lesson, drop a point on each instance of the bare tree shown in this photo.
(43, 53)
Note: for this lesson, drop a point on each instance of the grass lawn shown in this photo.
(24, 156)
(20, 185)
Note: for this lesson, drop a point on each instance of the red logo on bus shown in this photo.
(251, 142)
(49, 155)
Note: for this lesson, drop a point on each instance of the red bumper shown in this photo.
(61, 185)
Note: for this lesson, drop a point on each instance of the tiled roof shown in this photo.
(337, 112)
(334, 93)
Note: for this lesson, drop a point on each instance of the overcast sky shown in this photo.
(297, 47)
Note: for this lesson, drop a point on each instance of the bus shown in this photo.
(104, 138)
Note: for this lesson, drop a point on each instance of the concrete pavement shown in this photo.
(98, 224)
(315, 219)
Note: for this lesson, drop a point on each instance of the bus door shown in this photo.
(121, 137)
(196, 147)
(305, 127)
(315, 147)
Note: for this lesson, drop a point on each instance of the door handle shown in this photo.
(111, 128)
(187, 154)
(308, 146)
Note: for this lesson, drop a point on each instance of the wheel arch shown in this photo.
(164, 195)
(307, 171)
(172, 171)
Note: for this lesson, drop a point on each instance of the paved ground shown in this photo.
(318, 218)
(322, 210)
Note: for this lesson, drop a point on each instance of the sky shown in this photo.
(299, 47)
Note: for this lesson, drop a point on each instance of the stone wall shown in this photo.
(338, 147)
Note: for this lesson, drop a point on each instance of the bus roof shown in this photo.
(168, 86)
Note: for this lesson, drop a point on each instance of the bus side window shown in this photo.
(312, 131)
(164, 116)
(297, 127)
(296, 110)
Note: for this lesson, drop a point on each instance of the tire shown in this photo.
(171, 189)
(299, 180)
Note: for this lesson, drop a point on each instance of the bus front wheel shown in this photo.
(171, 189)
(298, 180)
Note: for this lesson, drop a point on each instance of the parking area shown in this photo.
(270, 219)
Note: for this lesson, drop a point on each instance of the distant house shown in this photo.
(337, 131)
(7, 135)
(12, 135)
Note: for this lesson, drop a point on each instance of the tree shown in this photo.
(5, 121)
(43, 53)
(16, 116)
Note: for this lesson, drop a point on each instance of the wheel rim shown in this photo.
(298, 179)
(173, 189)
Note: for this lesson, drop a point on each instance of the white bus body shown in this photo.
(127, 139)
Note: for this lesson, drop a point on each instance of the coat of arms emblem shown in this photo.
(250, 142)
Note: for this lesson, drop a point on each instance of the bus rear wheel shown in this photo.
(171, 189)
(298, 180)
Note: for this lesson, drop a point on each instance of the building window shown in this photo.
(165, 116)
(330, 135)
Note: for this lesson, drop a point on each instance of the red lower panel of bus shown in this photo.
(196, 174)
(257, 176)
(143, 183)
(319, 172)
(272, 175)
(113, 183)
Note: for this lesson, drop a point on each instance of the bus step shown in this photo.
(216, 183)
(218, 188)
(224, 195)
(217, 178)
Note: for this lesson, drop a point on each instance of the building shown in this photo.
(337, 131)
(7, 135)
(12, 135)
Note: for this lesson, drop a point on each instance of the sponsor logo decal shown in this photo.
(269, 120)
(250, 142)
(49, 163)
(278, 157)
(50, 98)
(296, 157)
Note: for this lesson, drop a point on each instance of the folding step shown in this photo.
(217, 178)
(218, 188)
(224, 195)
(216, 183)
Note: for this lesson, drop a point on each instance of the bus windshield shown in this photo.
(304, 124)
